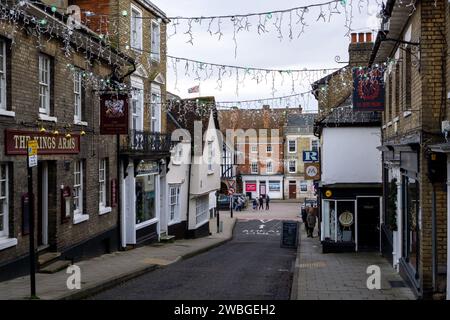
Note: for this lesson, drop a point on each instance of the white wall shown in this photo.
(350, 155)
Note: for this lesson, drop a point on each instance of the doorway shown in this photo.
(292, 190)
(43, 199)
(262, 189)
(368, 223)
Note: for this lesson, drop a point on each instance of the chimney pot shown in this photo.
(353, 37)
(361, 37)
(368, 36)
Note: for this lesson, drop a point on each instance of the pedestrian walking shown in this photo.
(261, 203)
(311, 220)
(304, 215)
(267, 202)
(255, 204)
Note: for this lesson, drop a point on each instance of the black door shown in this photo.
(368, 224)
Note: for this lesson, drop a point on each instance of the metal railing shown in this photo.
(146, 142)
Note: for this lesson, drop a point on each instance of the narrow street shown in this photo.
(251, 266)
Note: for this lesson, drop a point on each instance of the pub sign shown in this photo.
(114, 114)
(368, 89)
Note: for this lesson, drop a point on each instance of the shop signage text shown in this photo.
(16, 142)
(250, 187)
(147, 167)
(310, 156)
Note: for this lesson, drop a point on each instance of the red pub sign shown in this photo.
(48, 143)
(114, 114)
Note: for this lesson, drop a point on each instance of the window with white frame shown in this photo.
(315, 145)
(137, 104)
(78, 188)
(303, 186)
(156, 41)
(77, 87)
(292, 146)
(201, 209)
(136, 28)
(155, 114)
(174, 203)
(3, 102)
(269, 166)
(102, 183)
(292, 167)
(254, 148)
(254, 167)
(4, 207)
(210, 156)
(44, 84)
(269, 148)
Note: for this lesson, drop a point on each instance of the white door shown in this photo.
(163, 206)
(130, 208)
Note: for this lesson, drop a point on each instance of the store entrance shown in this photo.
(368, 223)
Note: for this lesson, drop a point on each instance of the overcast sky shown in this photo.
(316, 48)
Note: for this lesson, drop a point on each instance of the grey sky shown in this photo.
(316, 48)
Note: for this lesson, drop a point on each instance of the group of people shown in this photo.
(258, 204)
(309, 219)
(238, 203)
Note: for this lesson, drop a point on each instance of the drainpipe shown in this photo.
(434, 239)
(188, 193)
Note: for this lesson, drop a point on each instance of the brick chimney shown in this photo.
(300, 109)
(360, 49)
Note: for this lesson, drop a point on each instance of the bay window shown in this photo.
(155, 114)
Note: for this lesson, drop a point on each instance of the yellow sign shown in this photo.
(328, 193)
(32, 153)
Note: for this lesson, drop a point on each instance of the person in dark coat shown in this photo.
(304, 215)
(261, 203)
(267, 202)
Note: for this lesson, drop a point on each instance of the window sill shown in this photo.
(406, 114)
(79, 218)
(80, 123)
(45, 117)
(210, 173)
(7, 113)
(7, 243)
(146, 223)
(104, 210)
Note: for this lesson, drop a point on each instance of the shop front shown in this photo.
(141, 204)
(256, 186)
(350, 218)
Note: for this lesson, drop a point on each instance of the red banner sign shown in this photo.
(114, 114)
(250, 187)
(48, 143)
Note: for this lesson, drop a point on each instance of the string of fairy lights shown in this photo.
(98, 46)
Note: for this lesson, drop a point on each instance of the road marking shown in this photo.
(261, 226)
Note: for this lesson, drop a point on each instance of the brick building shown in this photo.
(259, 143)
(138, 28)
(299, 137)
(52, 96)
(413, 44)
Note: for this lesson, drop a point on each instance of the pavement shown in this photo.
(342, 276)
(109, 270)
(251, 266)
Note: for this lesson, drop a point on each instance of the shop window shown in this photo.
(254, 148)
(174, 203)
(411, 225)
(201, 209)
(274, 186)
(339, 220)
(145, 190)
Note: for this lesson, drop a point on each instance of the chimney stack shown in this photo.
(360, 49)
(300, 109)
